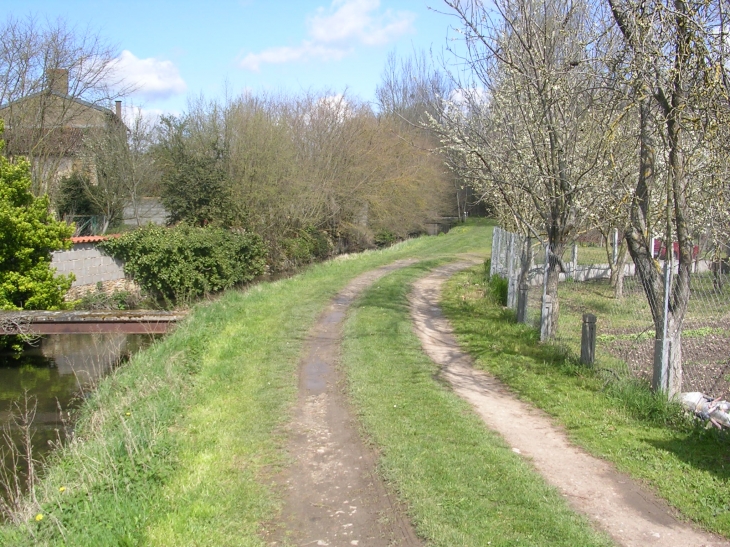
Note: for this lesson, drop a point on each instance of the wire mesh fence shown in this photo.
(626, 336)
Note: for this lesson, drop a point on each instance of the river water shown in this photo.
(54, 378)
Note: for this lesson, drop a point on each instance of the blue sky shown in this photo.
(173, 50)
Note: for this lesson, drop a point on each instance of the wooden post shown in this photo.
(522, 303)
(588, 340)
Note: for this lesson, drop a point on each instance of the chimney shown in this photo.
(58, 80)
(118, 108)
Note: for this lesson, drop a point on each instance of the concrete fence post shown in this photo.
(546, 317)
(522, 303)
(496, 239)
(511, 274)
(588, 340)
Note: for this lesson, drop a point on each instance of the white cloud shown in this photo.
(359, 20)
(151, 116)
(149, 78)
(333, 32)
(278, 55)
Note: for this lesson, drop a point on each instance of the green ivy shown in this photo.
(183, 263)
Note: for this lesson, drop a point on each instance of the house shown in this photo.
(49, 127)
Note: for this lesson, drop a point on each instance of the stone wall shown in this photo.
(88, 264)
(148, 210)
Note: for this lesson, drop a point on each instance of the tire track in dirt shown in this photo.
(333, 494)
(629, 513)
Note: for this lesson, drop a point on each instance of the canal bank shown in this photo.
(178, 447)
(52, 380)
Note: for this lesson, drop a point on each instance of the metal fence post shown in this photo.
(588, 340)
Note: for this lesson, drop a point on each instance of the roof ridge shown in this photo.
(93, 239)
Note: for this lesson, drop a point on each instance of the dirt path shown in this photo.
(334, 497)
(629, 513)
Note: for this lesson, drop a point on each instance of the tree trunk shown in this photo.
(667, 375)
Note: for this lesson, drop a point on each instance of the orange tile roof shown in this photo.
(92, 239)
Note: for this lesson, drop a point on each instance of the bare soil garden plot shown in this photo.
(705, 356)
(625, 342)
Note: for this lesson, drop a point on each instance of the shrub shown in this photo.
(72, 197)
(182, 263)
(28, 235)
(301, 247)
(102, 300)
(385, 238)
(355, 238)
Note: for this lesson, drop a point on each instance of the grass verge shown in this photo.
(462, 483)
(620, 421)
(178, 446)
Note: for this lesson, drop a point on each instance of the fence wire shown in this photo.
(626, 334)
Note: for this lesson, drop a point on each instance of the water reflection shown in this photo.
(58, 375)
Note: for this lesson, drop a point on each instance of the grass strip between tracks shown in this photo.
(463, 485)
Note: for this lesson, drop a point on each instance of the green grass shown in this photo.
(178, 447)
(462, 483)
(619, 421)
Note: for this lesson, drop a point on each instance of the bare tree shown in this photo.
(677, 69)
(282, 165)
(411, 88)
(119, 167)
(51, 74)
(409, 96)
(141, 175)
(525, 125)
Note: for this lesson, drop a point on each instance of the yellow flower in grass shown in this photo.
(38, 517)
(62, 489)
